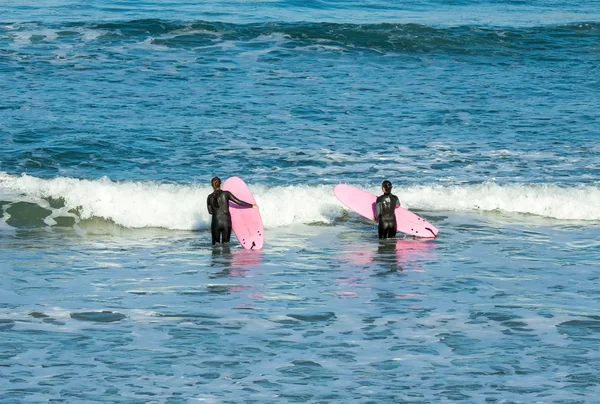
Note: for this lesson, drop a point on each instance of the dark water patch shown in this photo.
(98, 316)
(453, 395)
(312, 333)
(189, 335)
(67, 33)
(305, 368)
(305, 363)
(56, 203)
(36, 314)
(441, 166)
(564, 356)
(523, 390)
(233, 325)
(210, 375)
(20, 395)
(459, 343)
(516, 326)
(585, 378)
(421, 349)
(378, 334)
(219, 289)
(37, 38)
(62, 221)
(545, 313)
(386, 365)
(457, 286)
(499, 316)
(221, 364)
(344, 357)
(183, 41)
(267, 384)
(558, 351)
(240, 374)
(580, 328)
(53, 321)
(279, 344)
(249, 351)
(501, 370)
(187, 316)
(296, 398)
(327, 316)
(26, 215)
(6, 324)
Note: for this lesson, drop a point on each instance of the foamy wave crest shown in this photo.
(170, 206)
(581, 202)
(183, 207)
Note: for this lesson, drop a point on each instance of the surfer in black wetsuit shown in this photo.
(385, 211)
(218, 206)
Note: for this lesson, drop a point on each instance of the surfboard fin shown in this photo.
(434, 235)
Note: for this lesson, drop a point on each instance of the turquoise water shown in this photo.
(115, 115)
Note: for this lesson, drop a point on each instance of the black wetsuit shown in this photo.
(384, 213)
(218, 207)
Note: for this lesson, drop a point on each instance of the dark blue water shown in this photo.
(115, 115)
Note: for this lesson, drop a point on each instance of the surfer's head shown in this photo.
(386, 187)
(216, 183)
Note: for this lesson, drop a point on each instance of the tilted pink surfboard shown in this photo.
(246, 222)
(363, 203)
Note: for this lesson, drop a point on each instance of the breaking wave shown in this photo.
(32, 200)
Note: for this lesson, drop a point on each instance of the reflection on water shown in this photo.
(415, 252)
(393, 255)
(234, 261)
(246, 258)
(221, 256)
(386, 257)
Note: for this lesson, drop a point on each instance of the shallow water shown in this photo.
(490, 311)
(116, 115)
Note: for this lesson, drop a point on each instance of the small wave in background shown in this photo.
(382, 38)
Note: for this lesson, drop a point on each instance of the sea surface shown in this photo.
(115, 115)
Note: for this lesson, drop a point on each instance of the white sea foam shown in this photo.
(5, 228)
(549, 200)
(183, 206)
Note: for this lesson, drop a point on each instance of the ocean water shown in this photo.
(114, 116)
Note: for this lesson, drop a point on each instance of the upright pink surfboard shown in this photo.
(246, 222)
(363, 203)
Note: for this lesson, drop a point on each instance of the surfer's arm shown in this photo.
(377, 210)
(209, 204)
(235, 200)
